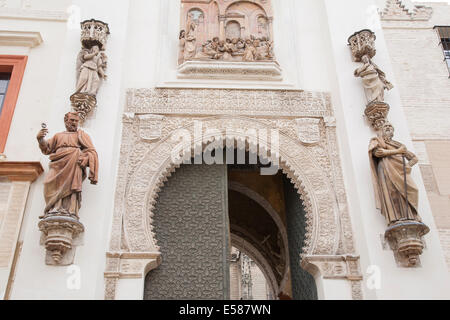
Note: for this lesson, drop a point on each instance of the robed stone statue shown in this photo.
(71, 153)
(374, 80)
(396, 193)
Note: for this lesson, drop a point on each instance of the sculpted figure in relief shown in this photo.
(389, 165)
(374, 80)
(91, 66)
(182, 44)
(70, 152)
(190, 48)
(250, 51)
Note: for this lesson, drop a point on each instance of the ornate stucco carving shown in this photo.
(397, 10)
(269, 103)
(314, 170)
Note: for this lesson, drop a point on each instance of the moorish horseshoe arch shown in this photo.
(307, 177)
(313, 168)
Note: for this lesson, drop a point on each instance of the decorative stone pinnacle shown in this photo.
(362, 43)
(405, 238)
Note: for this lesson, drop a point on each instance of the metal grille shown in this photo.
(303, 284)
(444, 35)
(4, 82)
(192, 228)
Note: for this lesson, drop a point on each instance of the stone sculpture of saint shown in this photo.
(250, 51)
(190, 48)
(71, 153)
(91, 68)
(374, 80)
(397, 200)
(182, 44)
(228, 49)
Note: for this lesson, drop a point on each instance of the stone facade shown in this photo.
(308, 93)
(414, 43)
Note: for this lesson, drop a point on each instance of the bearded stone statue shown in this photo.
(71, 153)
(396, 193)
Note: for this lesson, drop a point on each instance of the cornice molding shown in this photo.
(29, 39)
(31, 14)
(21, 171)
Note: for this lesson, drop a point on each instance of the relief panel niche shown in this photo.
(226, 30)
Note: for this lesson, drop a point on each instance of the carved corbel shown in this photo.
(150, 127)
(60, 234)
(308, 130)
(405, 239)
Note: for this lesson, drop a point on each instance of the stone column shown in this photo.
(222, 19)
(15, 181)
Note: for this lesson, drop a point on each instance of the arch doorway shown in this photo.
(207, 213)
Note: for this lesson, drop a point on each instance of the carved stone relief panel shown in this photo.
(226, 30)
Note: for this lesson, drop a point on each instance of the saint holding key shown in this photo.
(71, 153)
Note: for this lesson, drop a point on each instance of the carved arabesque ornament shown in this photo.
(314, 169)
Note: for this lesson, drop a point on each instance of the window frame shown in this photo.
(16, 65)
(439, 33)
